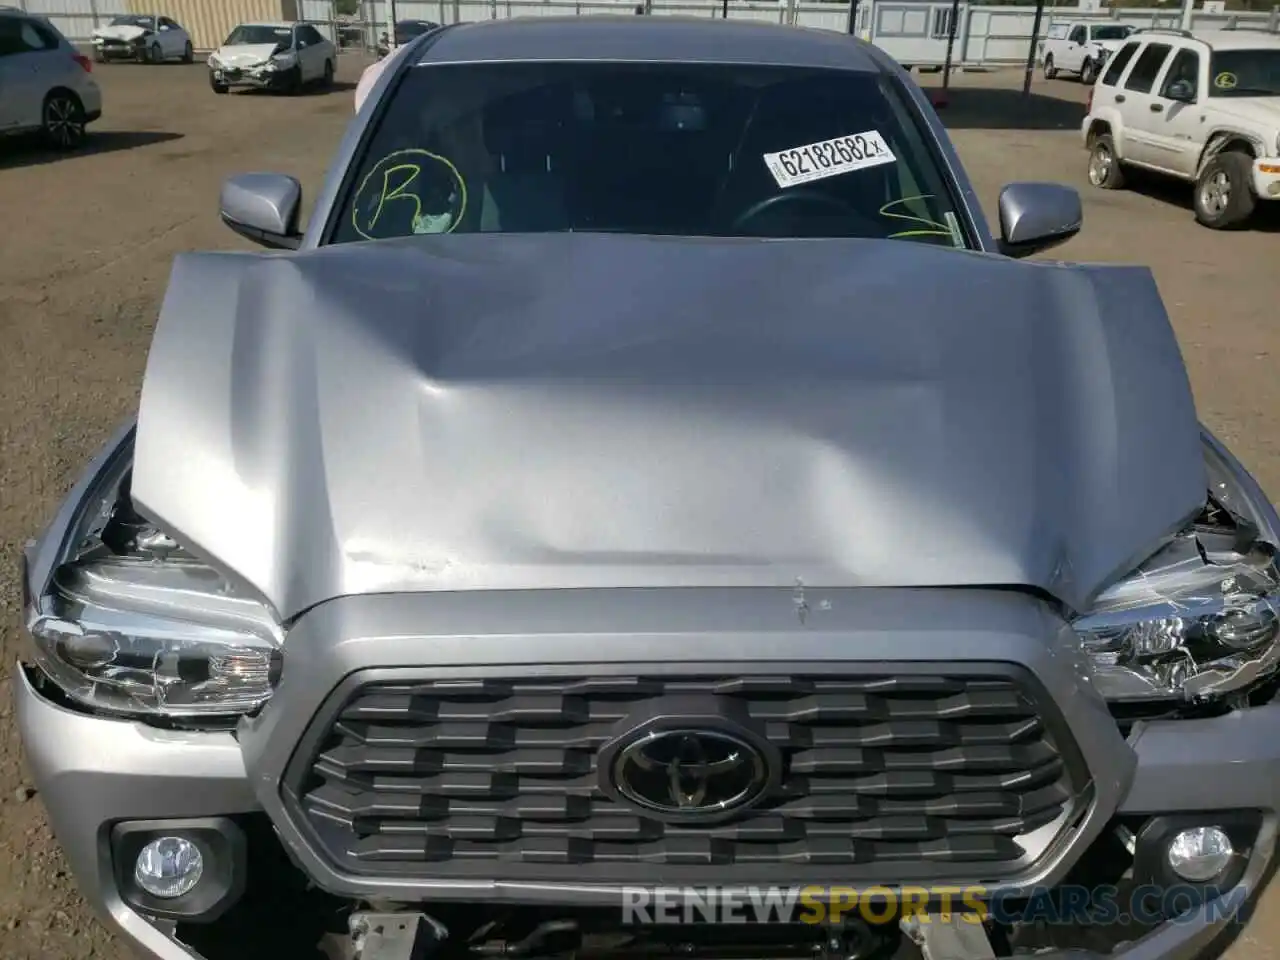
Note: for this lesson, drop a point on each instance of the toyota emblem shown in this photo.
(692, 774)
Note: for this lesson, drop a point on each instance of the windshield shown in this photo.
(1116, 31)
(245, 35)
(132, 20)
(674, 149)
(1245, 73)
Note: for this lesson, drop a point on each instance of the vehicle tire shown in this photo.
(1104, 164)
(1224, 199)
(1088, 73)
(328, 74)
(154, 55)
(1050, 71)
(217, 87)
(63, 120)
(189, 53)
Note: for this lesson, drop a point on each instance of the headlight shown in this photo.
(1201, 617)
(282, 61)
(131, 623)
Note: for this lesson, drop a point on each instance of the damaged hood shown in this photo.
(246, 54)
(126, 31)
(575, 410)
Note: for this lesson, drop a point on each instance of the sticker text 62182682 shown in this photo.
(829, 158)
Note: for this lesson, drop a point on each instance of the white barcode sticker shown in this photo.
(829, 158)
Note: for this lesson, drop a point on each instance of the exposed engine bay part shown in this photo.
(395, 936)
(949, 938)
(407, 934)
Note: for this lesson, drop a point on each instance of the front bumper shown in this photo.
(258, 79)
(119, 50)
(94, 772)
(1266, 178)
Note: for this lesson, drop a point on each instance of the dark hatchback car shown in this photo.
(407, 30)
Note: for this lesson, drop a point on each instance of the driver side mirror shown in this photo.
(264, 208)
(1181, 91)
(1037, 216)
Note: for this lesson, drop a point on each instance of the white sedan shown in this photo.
(145, 37)
(274, 56)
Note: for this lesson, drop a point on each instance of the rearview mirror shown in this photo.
(1037, 216)
(263, 207)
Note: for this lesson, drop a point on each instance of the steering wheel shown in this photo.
(810, 197)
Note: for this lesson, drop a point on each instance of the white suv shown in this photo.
(1203, 107)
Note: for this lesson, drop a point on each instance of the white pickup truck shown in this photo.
(1082, 47)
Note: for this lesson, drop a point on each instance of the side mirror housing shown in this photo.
(264, 208)
(1181, 91)
(1037, 216)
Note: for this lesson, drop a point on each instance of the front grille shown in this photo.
(921, 776)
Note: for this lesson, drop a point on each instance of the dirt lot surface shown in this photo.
(88, 242)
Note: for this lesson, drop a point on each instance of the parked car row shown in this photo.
(47, 84)
(1200, 107)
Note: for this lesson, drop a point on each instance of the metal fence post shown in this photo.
(1274, 23)
(951, 43)
(1031, 52)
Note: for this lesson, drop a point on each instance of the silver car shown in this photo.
(647, 497)
(45, 83)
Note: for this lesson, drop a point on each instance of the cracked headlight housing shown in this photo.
(128, 622)
(1200, 619)
(282, 61)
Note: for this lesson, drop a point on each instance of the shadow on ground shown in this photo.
(338, 86)
(993, 108)
(31, 151)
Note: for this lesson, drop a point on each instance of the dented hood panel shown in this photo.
(509, 412)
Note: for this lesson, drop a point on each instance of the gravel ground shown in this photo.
(90, 241)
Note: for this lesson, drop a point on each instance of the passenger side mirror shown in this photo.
(1037, 216)
(1181, 91)
(264, 208)
(164, 26)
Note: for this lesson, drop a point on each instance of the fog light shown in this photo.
(1200, 854)
(169, 867)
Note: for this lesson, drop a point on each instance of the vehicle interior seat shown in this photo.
(526, 189)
